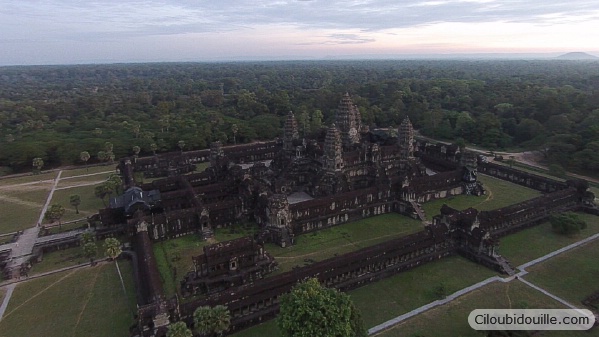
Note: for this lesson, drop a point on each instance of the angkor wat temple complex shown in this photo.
(296, 185)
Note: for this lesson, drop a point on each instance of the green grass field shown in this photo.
(500, 193)
(96, 178)
(20, 210)
(396, 295)
(60, 259)
(90, 204)
(82, 302)
(91, 169)
(452, 319)
(28, 178)
(582, 270)
(540, 240)
(342, 239)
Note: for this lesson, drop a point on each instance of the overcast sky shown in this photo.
(88, 31)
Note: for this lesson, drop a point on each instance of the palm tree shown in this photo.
(90, 249)
(202, 319)
(113, 248)
(136, 150)
(55, 213)
(84, 156)
(221, 318)
(100, 192)
(38, 163)
(235, 129)
(102, 156)
(178, 329)
(75, 201)
(215, 320)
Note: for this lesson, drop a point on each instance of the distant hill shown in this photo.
(577, 56)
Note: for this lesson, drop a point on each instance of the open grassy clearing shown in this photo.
(20, 210)
(396, 295)
(534, 242)
(572, 275)
(452, 319)
(82, 302)
(97, 178)
(28, 178)
(61, 259)
(92, 169)
(90, 204)
(342, 239)
(500, 193)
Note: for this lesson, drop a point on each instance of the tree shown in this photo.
(102, 156)
(113, 248)
(55, 213)
(212, 320)
(181, 144)
(101, 191)
(234, 129)
(567, 223)
(178, 329)
(202, 319)
(153, 147)
(221, 318)
(136, 150)
(38, 163)
(90, 250)
(84, 156)
(75, 201)
(313, 310)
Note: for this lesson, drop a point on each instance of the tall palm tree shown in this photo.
(178, 329)
(38, 163)
(113, 248)
(221, 318)
(202, 319)
(84, 156)
(75, 201)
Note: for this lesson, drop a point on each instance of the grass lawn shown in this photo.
(28, 179)
(90, 204)
(82, 302)
(452, 319)
(396, 295)
(341, 239)
(21, 209)
(61, 259)
(500, 193)
(96, 178)
(92, 169)
(540, 240)
(582, 266)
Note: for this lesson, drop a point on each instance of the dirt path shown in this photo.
(91, 293)
(13, 200)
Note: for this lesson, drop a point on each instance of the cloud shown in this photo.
(307, 22)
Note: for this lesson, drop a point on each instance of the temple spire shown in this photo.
(349, 122)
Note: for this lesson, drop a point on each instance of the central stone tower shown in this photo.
(349, 122)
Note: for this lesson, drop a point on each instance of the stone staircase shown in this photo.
(420, 212)
(505, 265)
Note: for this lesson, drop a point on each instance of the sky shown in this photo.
(107, 31)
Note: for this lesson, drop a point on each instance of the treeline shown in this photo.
(56, 112)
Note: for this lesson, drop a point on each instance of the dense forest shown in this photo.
(109, 111)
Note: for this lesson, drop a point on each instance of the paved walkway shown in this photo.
(9, 289)
(394, 321)
(22, 249)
